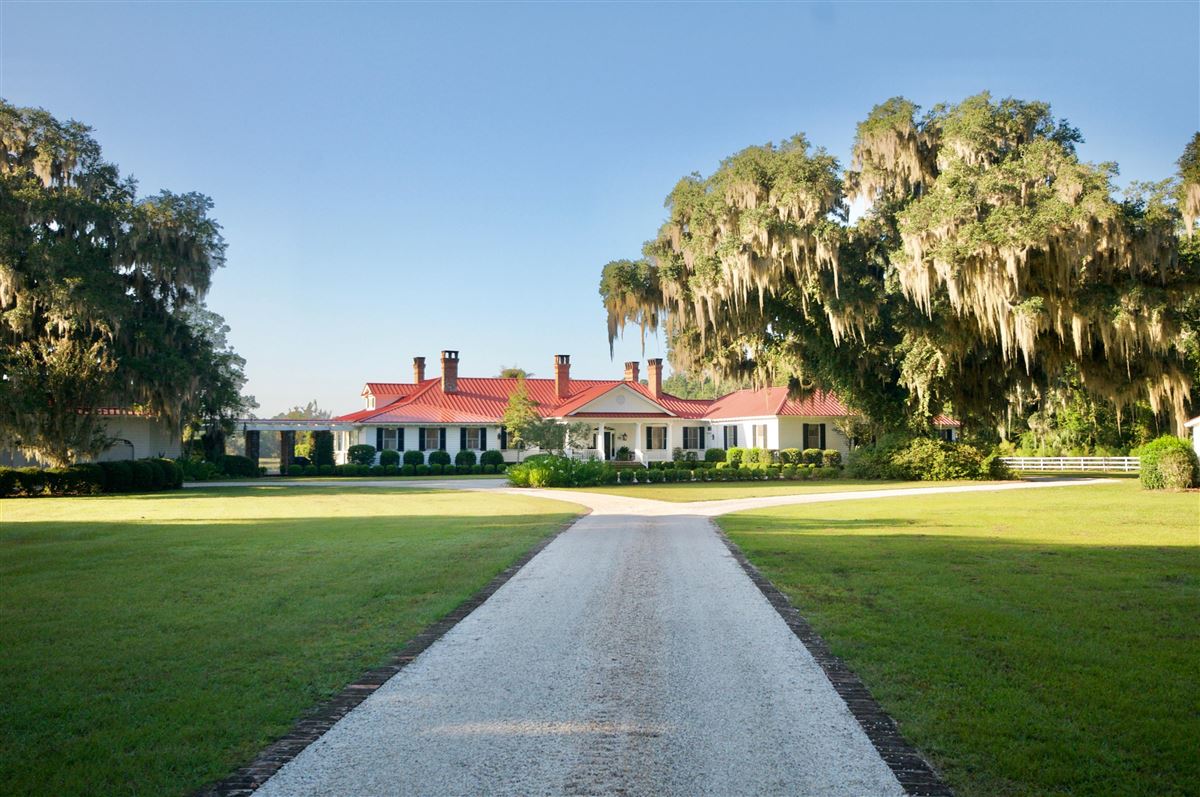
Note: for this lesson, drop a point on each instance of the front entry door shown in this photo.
(610, 442)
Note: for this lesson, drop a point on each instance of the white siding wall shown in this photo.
(412, 441)
(1196, 438)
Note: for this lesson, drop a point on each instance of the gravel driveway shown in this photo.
(632, 656)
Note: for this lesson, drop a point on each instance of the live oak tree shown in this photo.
(989, 261)
(101, 294)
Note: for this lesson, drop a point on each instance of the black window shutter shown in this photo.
(725, 436)
(442, 438)
(400, 439)
(700, 437)
(648, 438)
(421, 438)
(804, 436)
(483, 438)
(822, 437)
(462, 438)
(503, 438)
(378, 438)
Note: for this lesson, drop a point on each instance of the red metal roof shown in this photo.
(775, 401)
(388, 388)
(484, 400)
(945, 422)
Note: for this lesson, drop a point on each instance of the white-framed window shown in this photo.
(731, 436)
(693, 437)
(370, 402)
(391, 439)
(759, 431)
(656, 438)
(433, 438)
(474, 438)
(812, 435)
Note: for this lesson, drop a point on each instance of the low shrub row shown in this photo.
(924, 459)
(228, 466)
(552, 471)
(365, 455)
(437, 469)
(126, 476)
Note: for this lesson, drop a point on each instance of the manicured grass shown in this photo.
(1038, 642)
(717, 491)
(154, 643)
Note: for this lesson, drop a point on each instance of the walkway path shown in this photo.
(631, 656)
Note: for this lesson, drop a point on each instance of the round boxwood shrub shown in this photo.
(311, 470)
(714, 455)
(325, 470)
(487, 468)
(144, 475)
(771, 472)
(439, 457)
(120, 475)
(414, 458)
(831, 458)
(476, 469)
(390, 470)
(376, 470)
(436, 468)
(464, 458)
(491, 457)
(361, 454)
(389, 457)
(409, 469)
(1162, 472)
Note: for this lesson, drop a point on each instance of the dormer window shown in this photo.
(370, 402)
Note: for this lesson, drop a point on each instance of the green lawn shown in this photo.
(154, 643)
(1031, 643)
(717, 491)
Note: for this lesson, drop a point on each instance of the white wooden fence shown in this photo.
(1082, 464)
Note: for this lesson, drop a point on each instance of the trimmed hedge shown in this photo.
(389, 457)
(414, 458)
(464, 458)
(439, 457)
(491, 457)
(143, 475)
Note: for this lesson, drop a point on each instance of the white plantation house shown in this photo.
(452, 412)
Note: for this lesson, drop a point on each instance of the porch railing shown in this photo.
(1081, 464)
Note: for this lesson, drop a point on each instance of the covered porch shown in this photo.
(286, 428)
(642, 440)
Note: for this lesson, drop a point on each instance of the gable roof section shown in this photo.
(581, 400)
(388, 388)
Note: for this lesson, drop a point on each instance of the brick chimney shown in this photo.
(654, 372)
(562, 375)
(449, 371)
(631, 371)
(418, 369)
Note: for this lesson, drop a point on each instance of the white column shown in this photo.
(670, 439)
(600, 442)
(639, 452)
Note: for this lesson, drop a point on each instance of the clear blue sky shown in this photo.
(394, 180)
